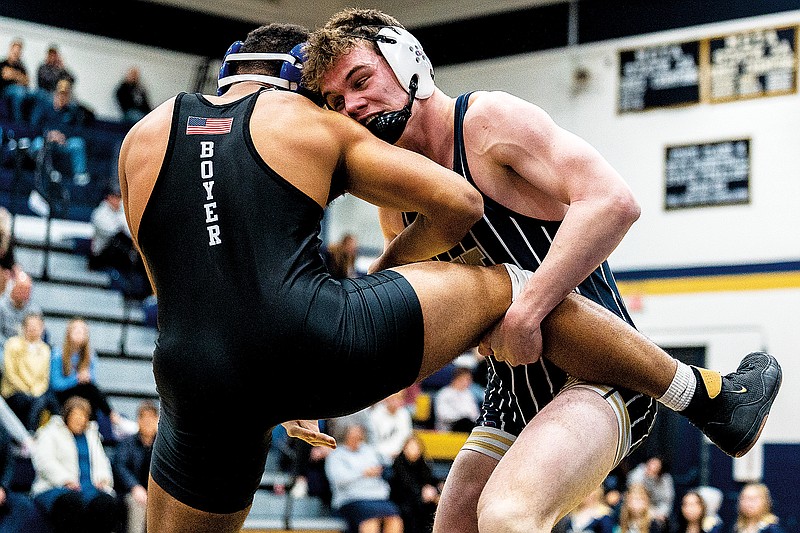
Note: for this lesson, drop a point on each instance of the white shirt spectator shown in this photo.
(391, 425)
(108, 219)
(455, 401)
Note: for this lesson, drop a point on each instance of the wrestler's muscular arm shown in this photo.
(525, 161)
(378, 173)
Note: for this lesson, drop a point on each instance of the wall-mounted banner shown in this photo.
(707, 174)
(725, 68)
(659, 76)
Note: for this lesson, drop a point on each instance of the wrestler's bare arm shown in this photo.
(566, 174)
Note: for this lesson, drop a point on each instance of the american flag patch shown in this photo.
(208, 126)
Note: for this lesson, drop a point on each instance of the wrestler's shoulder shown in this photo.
(155, 123)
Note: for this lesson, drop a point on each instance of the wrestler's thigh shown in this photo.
(456, 512)
(562, 454)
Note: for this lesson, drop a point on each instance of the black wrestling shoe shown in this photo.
(732, 410)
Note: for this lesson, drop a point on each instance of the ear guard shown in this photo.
(290, 74)
(406, 58)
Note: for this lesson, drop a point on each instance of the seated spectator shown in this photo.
(73, 373)
(654, 475)
(112, 246)
(454, 406)
(755, 511)
(635, 515)
(360, 494)
(26, 373)
(390, 426)
(14, 81)
(307, 464)
(592, 515)
(60, 143)
(15, 304)
(52, 71)
(132, 97)
(8, 262)
(18, 514)
(73, 483)
(415, 489)
(132, 466)
(712, 498)
(693, 516)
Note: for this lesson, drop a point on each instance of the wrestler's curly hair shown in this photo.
(337, 37)
(270, 38)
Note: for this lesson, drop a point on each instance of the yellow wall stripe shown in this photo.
(738, 282)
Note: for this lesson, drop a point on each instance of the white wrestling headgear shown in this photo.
(406, 57)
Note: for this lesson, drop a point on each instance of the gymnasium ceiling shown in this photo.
(312, 13)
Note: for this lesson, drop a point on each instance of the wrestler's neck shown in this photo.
(430, 129)
(239, 90)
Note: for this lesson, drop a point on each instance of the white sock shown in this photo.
(681, 390)
(518, 277)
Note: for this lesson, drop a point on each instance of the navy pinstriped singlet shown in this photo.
(515, 394)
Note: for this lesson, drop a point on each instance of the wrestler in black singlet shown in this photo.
(515, 394)
(253, 331)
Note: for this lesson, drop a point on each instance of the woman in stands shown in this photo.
(72, 373)
(755, 511)
(635, 515)
(73, 483)
(415, 489)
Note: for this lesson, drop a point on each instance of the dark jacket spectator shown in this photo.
(132, 466)
(415, 489)
(14, 80)
(60, 122)
(52, 71)
(132, 97)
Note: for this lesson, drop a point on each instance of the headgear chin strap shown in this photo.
(290, 74)
(389, 126)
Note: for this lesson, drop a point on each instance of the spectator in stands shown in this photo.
(755, 511)
(18, 514)
(655, 477)
(341, 257)
(14, 305)
(360, 494)
(132, 466)
(51, 71)
(307, 464)
(712, 499)
(73, 373)
(454, 405)
(26, 373)
(132, 97)
(73, 483)
(635, 515)
(60, 122)
(14, 81)
(592, 515)
(112, 246)
(8, 262)
(391, 426)
(414, 488)
(693, 516)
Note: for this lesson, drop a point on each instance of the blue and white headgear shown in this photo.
(413, 70)
(289, 77)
